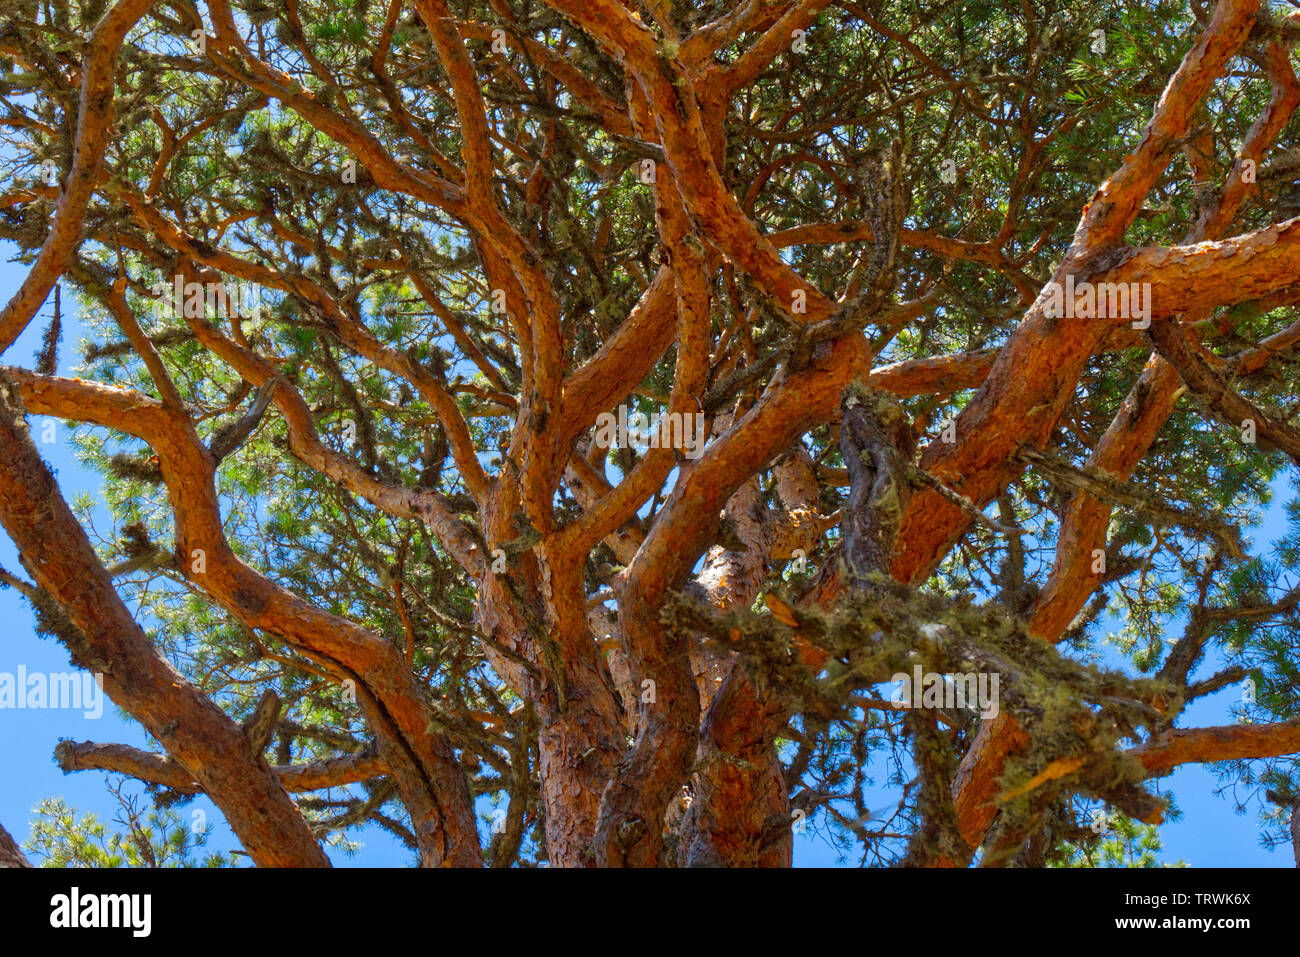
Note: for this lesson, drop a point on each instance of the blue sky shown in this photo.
(1210, 832)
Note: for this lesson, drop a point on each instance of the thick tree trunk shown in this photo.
(11, 855)
(740, 814)
(740, 811)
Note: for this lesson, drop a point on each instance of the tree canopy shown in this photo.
(549, 431)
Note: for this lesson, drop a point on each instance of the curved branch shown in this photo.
(78, 602)
(1231, 406)
(1233, 742)
(166, 771)
(93, 124)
